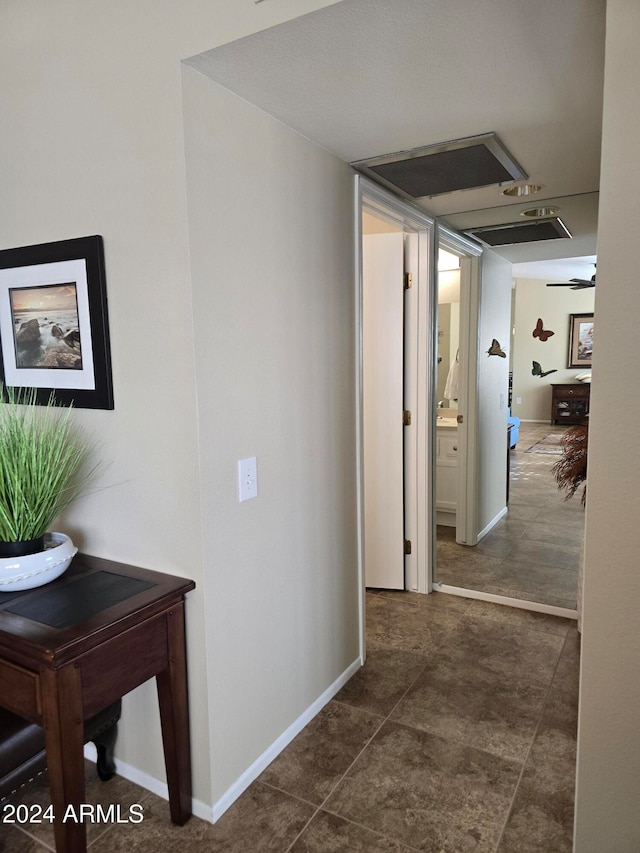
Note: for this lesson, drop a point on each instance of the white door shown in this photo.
(383, 383)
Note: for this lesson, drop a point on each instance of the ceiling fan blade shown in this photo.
(575, 283)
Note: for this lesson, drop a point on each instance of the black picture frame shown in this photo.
(581, 328)
(75, 367)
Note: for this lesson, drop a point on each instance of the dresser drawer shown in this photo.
(572, 391)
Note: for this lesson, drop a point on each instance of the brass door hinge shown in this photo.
(408, 280)
(406, 417)
(407, 547)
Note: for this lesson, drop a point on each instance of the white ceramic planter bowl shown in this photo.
(18, 573)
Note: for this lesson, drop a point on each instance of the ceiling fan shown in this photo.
(575, 283)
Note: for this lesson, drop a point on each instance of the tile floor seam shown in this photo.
(322, 806)
(531, 743)
(457, 742)
(342, 777)
(352, 708)
(422, 671)
(289, 794)
(303, 830)
(33, 838)
(369, 829)
(346, 772)
(337, 783)
(98, 837)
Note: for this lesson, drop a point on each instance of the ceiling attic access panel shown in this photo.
(513, 233)
(461, 164)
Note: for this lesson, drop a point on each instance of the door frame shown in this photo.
(418, 497)
(470, 254)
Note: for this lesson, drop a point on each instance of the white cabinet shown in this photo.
(446, 475)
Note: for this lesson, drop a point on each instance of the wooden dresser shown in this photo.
(570, 402)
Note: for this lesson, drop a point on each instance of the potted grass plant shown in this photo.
(44, 460)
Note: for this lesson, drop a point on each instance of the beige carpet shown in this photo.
(551, 444)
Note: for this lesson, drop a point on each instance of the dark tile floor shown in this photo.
(532, 553)
(457, 735)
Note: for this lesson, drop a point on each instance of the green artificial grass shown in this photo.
(43, 464)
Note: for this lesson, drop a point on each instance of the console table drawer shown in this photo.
(20, 691)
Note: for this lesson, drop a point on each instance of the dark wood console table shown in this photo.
(70, 648)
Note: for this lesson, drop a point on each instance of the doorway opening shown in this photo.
(394, 296)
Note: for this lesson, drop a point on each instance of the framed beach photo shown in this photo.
(580, 340)
(54, 331)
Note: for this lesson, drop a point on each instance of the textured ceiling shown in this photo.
(363, 78)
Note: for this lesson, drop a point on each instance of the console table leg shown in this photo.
(174, 716)
(62, 718)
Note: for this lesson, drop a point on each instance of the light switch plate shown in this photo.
(247, 479)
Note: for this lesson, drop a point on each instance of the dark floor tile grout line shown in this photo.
(374, 831)
(388, 719)
(323, 810)
(533, 740)
(316, 811)
(303, 830)
(38, 841)
(339, 781)
(100, 836)
(383, 720)
(344, 704)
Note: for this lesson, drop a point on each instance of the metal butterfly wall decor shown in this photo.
(496, 349)
(538, 371)
(539, 332)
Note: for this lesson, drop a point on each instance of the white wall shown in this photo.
(493, 386)
(92, 143)
(271, 246)
(553, 305)
(608, 781)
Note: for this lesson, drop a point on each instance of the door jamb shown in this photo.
(470, 294)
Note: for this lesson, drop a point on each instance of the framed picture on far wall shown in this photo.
(580, 340)
(54, 331)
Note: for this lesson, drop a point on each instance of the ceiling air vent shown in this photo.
(521, 232)
(477, 161)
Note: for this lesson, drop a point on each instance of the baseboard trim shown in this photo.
(149, 783)
(240, 785)
(493, 523)
(520, 603)
(213, 813)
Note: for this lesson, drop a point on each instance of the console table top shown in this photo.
(94, 599)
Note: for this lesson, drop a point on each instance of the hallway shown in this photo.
(533, 552)
(457, 735)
